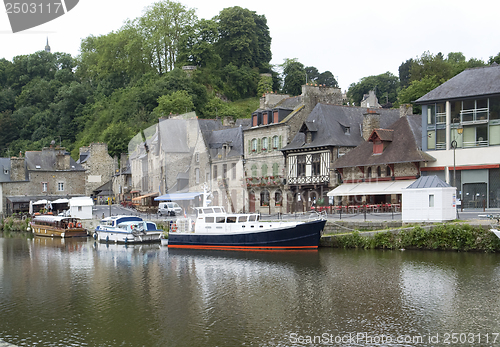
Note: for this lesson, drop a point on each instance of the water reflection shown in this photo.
(77, 292)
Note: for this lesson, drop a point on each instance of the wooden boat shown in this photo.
(57, 226)
(127, 229)
(216, 229)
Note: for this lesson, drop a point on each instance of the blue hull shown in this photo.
(302, 236)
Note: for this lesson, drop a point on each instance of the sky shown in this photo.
(352, 39)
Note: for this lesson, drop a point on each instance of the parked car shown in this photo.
(169, 209)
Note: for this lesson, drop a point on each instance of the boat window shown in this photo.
(252, 218)
(207, 210)
(242, 219)
(209, 219)
(218, 210)
(231, 219)
(220, 219)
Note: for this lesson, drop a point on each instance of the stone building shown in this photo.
(122, 180)
(227, 181)
(271, 129)
(376, 171)
(98, 164)
(328, 133)
(46, 174)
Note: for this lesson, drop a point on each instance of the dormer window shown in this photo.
(347, 130)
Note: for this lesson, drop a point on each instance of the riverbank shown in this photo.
(452, 236)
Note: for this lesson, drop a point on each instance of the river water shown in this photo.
(77, 293)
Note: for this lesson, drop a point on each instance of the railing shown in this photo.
(441, 118)
(309, 179)
(479, 115)
(471, 144)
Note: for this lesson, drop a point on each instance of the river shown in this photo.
(77, 293)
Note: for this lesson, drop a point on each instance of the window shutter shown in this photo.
(249, 146)
(259, 146)
(279, 142)
(269, 144)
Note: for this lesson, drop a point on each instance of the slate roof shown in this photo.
(234, 136)
(480, 81)
(428, 182)
(384, 134)
(46, 160)
(4, 169)
(331, 122)
(404, 148)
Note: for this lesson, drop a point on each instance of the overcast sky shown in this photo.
(352, 39)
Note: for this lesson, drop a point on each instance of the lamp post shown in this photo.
(460, 130)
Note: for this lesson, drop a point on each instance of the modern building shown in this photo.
(461, 130)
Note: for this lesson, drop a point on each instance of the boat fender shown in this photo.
(107, 238)
(126, 240)
(78, 225)
(95, 236)
(174, 227)
(70, 225)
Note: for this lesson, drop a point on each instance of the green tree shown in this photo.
(417, 89)
(385, 86)
(328, 79)
(199, 48)
(294, 76)
(265, 85)
(163, 27)
(244, 38)
(178, 102)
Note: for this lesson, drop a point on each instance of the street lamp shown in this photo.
(460, 130)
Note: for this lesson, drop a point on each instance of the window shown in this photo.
(60, 186)
(301, 165)
(388, 171)
(275, 169)
(316, 164)
(254, 170)
(254, 120)
(264, 198)
(369, 172)
(80, 208)
(197, 175)
(264, 170)
(44, 186)
(431, 200)
(265, 144)
(215, 172)
(278, 198)
(254, 145)
(275, 142)
(224, 170)
(233, 171)
(379, 171)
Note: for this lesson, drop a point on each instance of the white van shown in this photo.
(169, 209)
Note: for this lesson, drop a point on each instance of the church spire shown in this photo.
(47, 47)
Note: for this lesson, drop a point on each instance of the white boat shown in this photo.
(216, 229)
(127, 229)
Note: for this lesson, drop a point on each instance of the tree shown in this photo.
(312, 74)
(405, 73)
(244, 38)
(265, 85)
(417, 89)
(495, 59)
(199, 48)
(385, 86)
(294, 76)
(328, 79)
(178, 102)
(163, 27)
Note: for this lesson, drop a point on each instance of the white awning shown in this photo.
(178, 196)
(371, 188)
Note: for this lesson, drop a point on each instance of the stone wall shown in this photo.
(313, 95)
(99, 166)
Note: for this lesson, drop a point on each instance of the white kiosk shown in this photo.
(81, 207)
(429, 199)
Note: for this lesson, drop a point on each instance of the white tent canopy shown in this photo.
(371, 188)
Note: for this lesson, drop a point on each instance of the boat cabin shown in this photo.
(58, 222)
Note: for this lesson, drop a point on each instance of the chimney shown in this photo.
(371, 121)
(62, 160)
(405, 110)
(17, 169)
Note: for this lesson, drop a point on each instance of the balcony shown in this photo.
(317, 179)
(474, 116)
